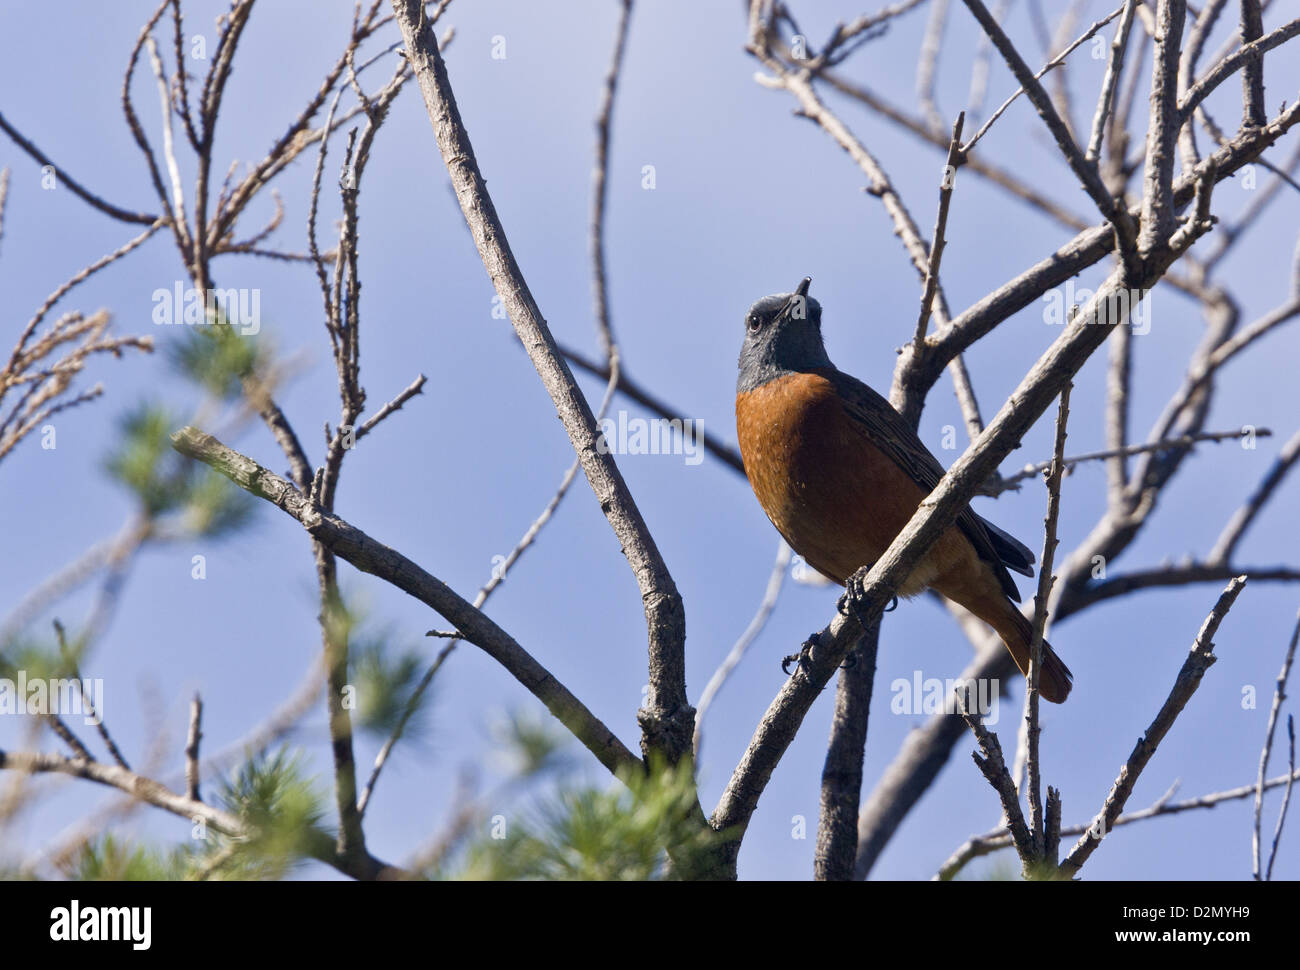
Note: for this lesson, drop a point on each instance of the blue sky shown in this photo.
(747, 199)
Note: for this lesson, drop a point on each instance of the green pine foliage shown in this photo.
(281, 809)
(109, 859)
(217, 358)
(386, 678)
(622, 832)
(163, 482)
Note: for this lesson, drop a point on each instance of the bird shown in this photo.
(839, 472)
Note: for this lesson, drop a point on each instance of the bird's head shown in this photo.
(783, 335)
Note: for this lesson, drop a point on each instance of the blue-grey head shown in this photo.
(783, 335)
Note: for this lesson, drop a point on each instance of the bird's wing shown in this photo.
(885, 428)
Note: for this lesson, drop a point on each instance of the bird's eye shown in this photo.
(754, 324)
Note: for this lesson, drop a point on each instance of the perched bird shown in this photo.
(839, 472)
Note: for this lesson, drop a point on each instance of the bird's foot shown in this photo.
(855, 593)
(803, 657)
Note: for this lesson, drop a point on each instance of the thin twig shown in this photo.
(79, 277)
(931, 285)
(95, 716)
(414, 388)
(1114, 68)
(1029, 85)
(1286, 797)
(668, 722)
(736, 654)
(1234, 62)
(1182, 441)
(994, 769)
(192, 739)
(1199, 660)
(1279, 695)
(77, 189)
(927, 60)
(1045, 580)
(1227, 542)
(981, 845)
(365, 553)
(979, 74)
(604, 120)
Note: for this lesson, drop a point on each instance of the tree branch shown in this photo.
(669, 720)
(354, 546)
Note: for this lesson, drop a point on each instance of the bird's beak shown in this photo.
(800, 293)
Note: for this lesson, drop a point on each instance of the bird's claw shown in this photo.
(847, 604)
(804, 656)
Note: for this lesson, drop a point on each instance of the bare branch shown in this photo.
(841, 783)
(1233, 63)
(1085, 172)
(152, 793)
(1045, 580)
(108, 208)
(599, 286)
(1286, 797)
(77, 278)
(180, 220)
(982, 845)
(669, 721)
(354, 546)
(1196, 38)
(1279, 695)
(1004, 179)
(1182, 441)
(1252, 78)
(499, 573)
(192, 749)
(1162, 132)
(729, 663)
(414, 388)
(994, 769)
(1119, 378)
(927, 59)
(863, 28)
(1114, 68)
(946, 184)
(1227, 542)
(1198, 661)
(626, 385)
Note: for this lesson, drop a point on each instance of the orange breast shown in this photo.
(836, 498)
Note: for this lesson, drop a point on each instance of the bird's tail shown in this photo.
(1055, 679)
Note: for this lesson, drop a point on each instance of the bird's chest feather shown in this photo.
(835, 497)
(789, 431)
